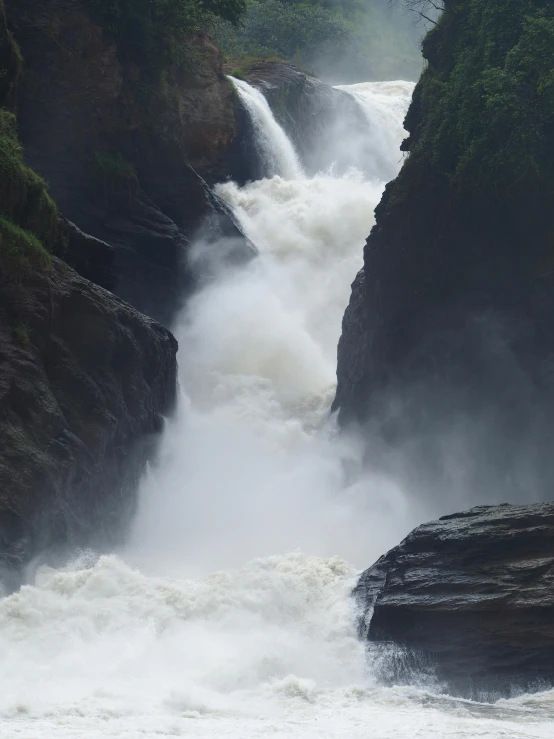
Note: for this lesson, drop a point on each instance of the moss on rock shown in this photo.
(485, 103)
(29, 222)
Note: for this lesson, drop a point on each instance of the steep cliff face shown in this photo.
(84, 381)
(469, 598)
(451, 314)
(125, 152)
(84, 378)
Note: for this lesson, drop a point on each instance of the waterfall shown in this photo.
(251, 466)
(383, 105)
(277, 151)
(228, 612)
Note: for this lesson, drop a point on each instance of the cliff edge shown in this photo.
(449, 322)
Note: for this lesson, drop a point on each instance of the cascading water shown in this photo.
(383, 104)
(273, 144)
(149, 643)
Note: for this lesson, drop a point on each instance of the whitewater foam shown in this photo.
(102, 650)
(274, 146)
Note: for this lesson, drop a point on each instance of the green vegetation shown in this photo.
(238, 72)
(21, 334)
(151, 32)
(484, 108)
(24, 197)
(113, 169)
(345, 39)
(20, 250)
(28, 215)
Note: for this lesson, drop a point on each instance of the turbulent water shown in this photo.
(253, 485)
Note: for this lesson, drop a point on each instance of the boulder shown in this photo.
(468, 598)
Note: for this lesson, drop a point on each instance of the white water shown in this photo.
(252, 484)
(273, 144)
(384, 106)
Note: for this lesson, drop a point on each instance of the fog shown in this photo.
(252, 464)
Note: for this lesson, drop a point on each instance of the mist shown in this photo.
(385, 46)
(340, 41)
(252, 464)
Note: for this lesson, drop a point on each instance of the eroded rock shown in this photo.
(84, 383)
(472, 597)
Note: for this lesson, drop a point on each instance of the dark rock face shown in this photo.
(471, 595)
(89, 256)
(84, 381)
(327, 126)
(126, 159)
(449, 322)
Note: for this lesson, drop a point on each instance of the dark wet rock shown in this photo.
(447, 347)
(89, 256)
(84, 383)
(322, 121)
(126, 157)
(470, 597)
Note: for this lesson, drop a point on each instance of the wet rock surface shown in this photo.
(84, 383)
(471, 598)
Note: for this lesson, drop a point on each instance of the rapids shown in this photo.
(227, 613)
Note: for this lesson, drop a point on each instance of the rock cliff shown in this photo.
(126, 153)
(469, 597)
(449, 323)
(84, 378)
(84, 381)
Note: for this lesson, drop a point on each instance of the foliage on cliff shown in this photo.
(152, 31)
(483, 111)
(457, 293)
(344, 39)
(28, 215)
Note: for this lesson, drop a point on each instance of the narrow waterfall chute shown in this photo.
(275, 147)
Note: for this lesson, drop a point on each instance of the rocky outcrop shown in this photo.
(126, 155)
(470, 597)
(449, 323)
(327, 126)
(84, 378)
(84, 382)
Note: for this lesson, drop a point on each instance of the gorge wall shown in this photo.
(84, 378)
(449, 323)
(126, 150)
(446, 355)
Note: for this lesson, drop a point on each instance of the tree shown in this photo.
(152, 31)
(424, 9)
